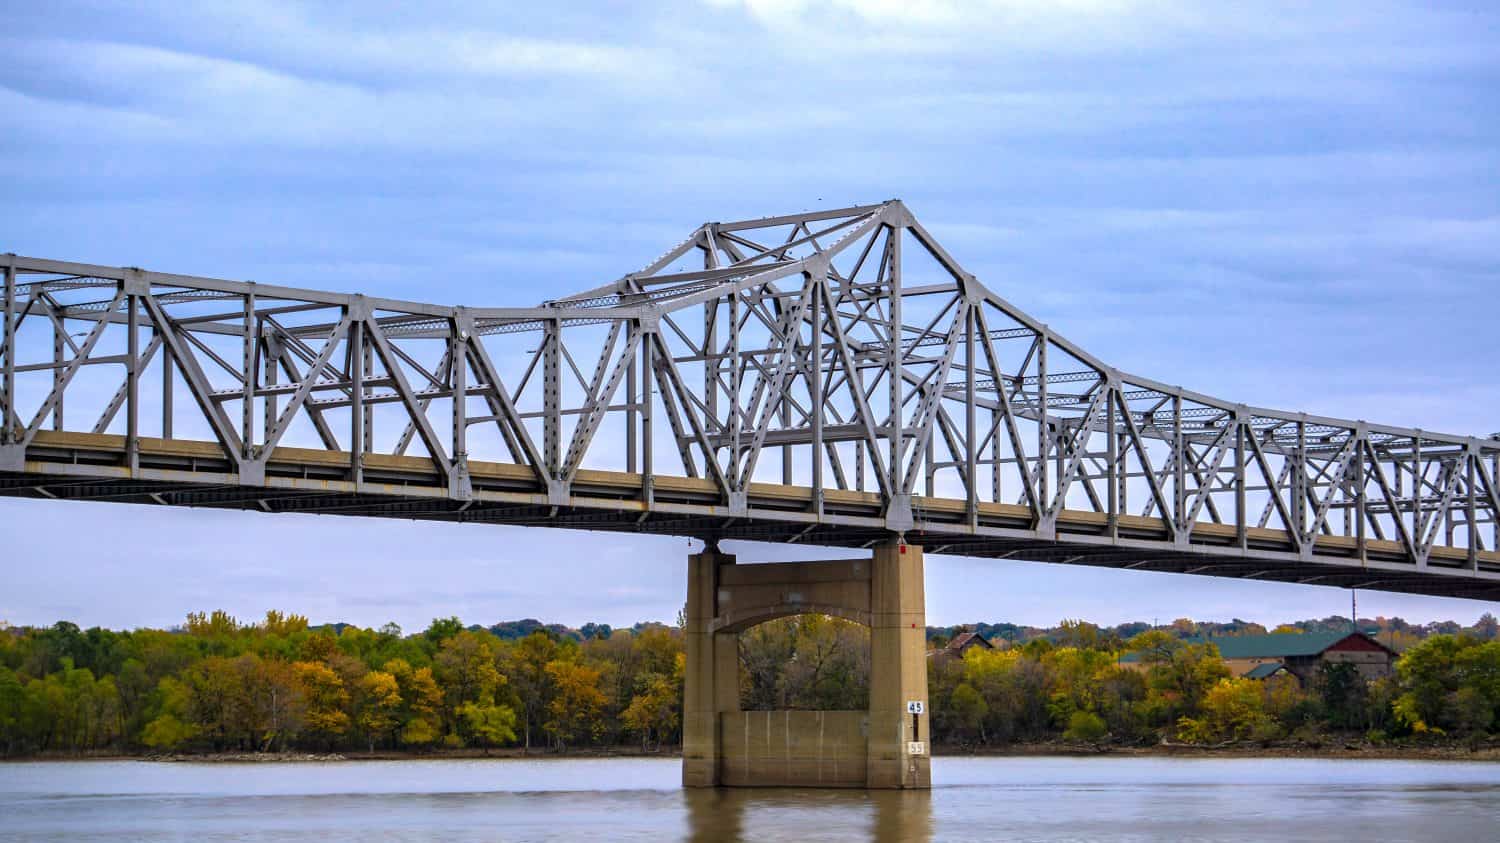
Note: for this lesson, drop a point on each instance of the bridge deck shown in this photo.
(175, 472)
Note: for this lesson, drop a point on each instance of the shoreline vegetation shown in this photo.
(282, 689)
(1488, 753)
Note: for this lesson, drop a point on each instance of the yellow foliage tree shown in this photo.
(380, 705)
(325, 696)
(1233, 709)
(577, 703)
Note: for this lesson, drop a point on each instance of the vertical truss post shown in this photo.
(357, 355)
(997, 491)
(631, 400)
(167, 386)
(786, 416)
(1418, 511)
(1494, 503)
(248, 345)
(1111, 457)
(58, 332)
(273, 348)
(1298, 502)
(971, 441)
(1471, 456)
(895, 355)
(1179, 472)
(8, 332)
(1362, 452)
(1043, 425)
(1241, 510)
(369, 366)
(552, 397)
(929, 470)
(648, 490)
(459, 330)
(132, 383)
(815, 289)
(736, 381)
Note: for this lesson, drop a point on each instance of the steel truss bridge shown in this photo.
(826, 378)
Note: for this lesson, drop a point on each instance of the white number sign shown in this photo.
(914, 707)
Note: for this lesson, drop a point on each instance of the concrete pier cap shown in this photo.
(887, 746)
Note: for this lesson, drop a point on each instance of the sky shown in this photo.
(1285, 204)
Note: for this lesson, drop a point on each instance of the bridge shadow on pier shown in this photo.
(726, 814)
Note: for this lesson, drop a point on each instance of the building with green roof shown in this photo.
(1301, 654)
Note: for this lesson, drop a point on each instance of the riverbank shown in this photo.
(1488, 752)
(1330, 749)
(535, 754)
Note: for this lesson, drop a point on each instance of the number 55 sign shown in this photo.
(914, 707)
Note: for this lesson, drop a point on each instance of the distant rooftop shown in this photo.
(1265, 671)
(1275, 645)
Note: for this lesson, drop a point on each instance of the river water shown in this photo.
(1041, 799)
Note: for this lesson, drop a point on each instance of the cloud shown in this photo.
(1287, 204)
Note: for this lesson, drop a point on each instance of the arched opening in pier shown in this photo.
(805, 662)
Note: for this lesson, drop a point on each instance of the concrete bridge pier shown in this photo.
(711, 680)
(900, 741)
(886, 746)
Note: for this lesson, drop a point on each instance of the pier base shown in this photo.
(884, 747)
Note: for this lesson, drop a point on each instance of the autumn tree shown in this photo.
(654, 712)
(421, 703)
(465, 667)
(326, 698)
(527, 671)
(1231, 710)
(577, 703)
(379, 706)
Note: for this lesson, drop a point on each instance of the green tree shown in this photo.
(1343, 694)
(968, 710)
(1085, 726)
(12, 711)
(441, 629)
(1449, 683)
(172, 727)
(489, 725)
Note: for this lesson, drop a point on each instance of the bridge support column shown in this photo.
(711, 684)
(900, 741)
(883, 747)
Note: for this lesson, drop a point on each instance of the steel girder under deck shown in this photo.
(826, 378)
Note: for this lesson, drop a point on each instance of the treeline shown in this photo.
(280, 684)
(219, 685)
(1396, 633)
(1176, 689)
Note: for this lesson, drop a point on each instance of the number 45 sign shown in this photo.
(914, 707)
